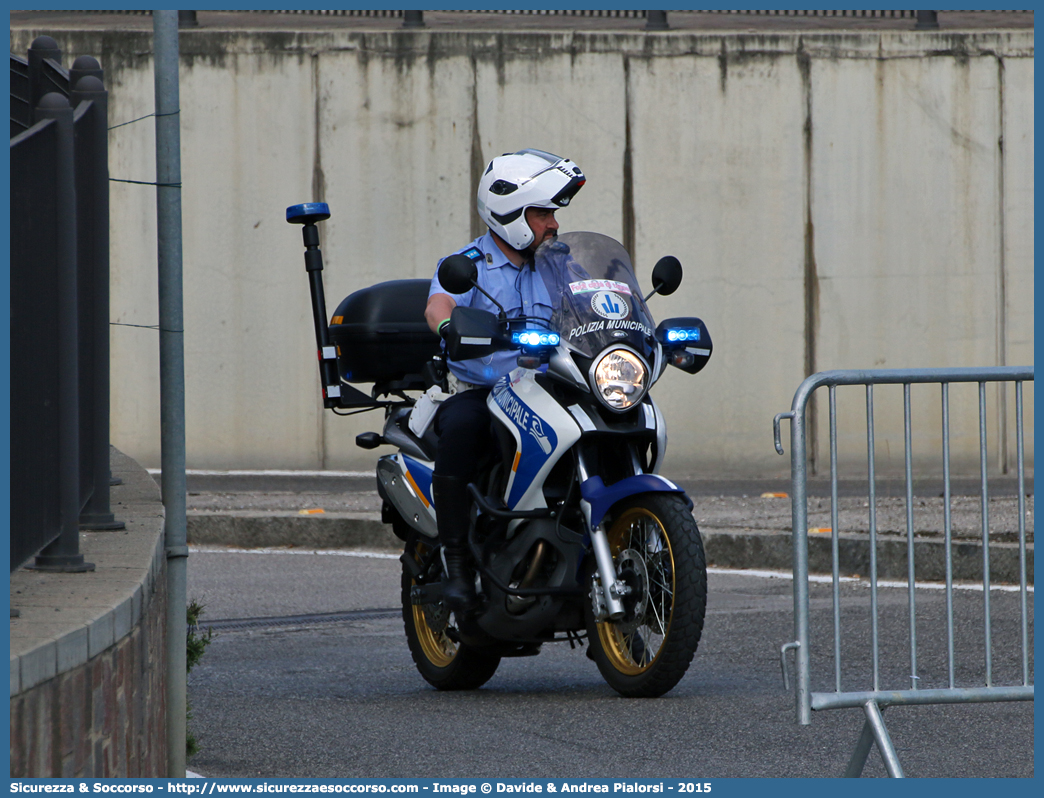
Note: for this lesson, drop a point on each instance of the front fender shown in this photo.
(602, 497)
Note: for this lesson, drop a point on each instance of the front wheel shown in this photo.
(430, 633)
(658, 554)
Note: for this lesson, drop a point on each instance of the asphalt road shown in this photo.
(319, 698)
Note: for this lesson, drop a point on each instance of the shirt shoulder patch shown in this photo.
(474, 253)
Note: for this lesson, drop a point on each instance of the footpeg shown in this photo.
(426, 594)
(411, 566)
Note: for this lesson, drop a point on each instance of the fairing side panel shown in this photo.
(543, 432)
(661, 436)
(407, 482)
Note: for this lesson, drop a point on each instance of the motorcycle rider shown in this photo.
(518, 195)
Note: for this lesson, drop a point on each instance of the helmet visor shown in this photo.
(563, 197)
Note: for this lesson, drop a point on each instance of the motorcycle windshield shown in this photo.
(595, 296)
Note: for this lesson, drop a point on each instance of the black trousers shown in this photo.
(465, 434)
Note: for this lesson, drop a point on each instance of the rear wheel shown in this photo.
(430, 632)
(658, 554)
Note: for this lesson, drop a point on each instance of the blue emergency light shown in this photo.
(675, 336)
(535, 338)
(308, 213)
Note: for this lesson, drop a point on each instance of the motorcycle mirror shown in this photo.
(457, 274)
(666, 276)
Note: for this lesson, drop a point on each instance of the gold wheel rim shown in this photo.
(634, 653)
(438, 648)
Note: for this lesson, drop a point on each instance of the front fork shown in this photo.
(610, 607)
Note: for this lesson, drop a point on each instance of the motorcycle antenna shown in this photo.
(503, 313)
(458, 273)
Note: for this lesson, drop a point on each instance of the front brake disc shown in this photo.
(631, 570)
(437, 616)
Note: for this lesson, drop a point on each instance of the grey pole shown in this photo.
(172, 373)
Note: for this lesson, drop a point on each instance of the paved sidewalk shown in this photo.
(742, 528)
(66, 619)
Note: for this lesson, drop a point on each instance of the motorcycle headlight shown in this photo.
(620, 379)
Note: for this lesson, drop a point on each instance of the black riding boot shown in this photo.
(451, 509)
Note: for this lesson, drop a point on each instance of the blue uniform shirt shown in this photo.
(519, 290)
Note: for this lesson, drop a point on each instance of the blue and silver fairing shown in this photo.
(407, 484)
(543, 431)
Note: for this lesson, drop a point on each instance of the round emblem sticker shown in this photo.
(610, 305)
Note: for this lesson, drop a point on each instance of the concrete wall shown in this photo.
(843, 200)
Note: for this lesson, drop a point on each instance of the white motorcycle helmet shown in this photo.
(526, 179)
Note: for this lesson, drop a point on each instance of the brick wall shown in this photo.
(105, 718)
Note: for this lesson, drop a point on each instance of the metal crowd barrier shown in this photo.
(874, 698)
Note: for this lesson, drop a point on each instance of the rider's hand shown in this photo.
(443, 328)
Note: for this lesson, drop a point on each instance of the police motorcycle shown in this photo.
(573, 532)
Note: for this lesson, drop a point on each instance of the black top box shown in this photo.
(380, 332)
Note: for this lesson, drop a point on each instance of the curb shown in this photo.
(248, 529)
(740, 548)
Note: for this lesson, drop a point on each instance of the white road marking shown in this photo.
(380, 555)
(822, 579)
(373, 555)
(202, 472)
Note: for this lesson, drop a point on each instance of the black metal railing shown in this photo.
(35, 447)
(59, 307)
(655, 20)
(857, 14)
(188, 17)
